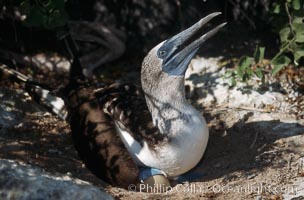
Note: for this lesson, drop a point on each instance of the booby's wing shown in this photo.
(126, 105)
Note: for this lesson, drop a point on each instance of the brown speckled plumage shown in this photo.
(92, 112)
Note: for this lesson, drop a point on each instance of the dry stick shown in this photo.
(254, 140)
(20, 76)
(239, 108)
(289, 162)
(268, 152)
(301, 166)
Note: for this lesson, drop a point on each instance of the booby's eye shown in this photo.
(161, 53)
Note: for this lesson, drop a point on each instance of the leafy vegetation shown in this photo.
(248, 67)
(286, 17)
(288, 20)
(291, 33)
(48, 14)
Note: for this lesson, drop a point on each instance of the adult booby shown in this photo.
(126, 134)
(121, 130)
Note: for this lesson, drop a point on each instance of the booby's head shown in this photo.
(173, 56)
(164, 68)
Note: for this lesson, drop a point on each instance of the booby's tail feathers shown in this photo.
(38, 91)
(53, 99)
(76, 70)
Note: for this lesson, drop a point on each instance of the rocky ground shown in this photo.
(255, 149)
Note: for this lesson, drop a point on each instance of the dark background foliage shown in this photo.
(146, 23)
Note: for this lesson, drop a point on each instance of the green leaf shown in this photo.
(259, 73)
(279, 63)
(299, 53)
(229, 73)
(284, 34)
(277, 9)
(298, 19)
(240, 72)
(299, 30)
(249, 71)
(248, 74)
(244, 63)
(259, 54)
(232, 82)
(296, 4)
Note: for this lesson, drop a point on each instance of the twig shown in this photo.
(240, 108)
(301, 166)
(270, 152)
(289, 162)
(68, 48)
(254, 140)
(250, 108)
(290, 19)
(20, 76)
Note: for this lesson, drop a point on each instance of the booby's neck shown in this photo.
(166, 101)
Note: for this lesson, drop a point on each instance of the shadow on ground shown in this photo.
(44, 141)
(244, 147)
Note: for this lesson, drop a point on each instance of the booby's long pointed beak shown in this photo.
(178, 58)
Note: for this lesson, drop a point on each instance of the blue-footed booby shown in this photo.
(126, 134)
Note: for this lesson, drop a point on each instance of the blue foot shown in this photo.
(146, 172)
